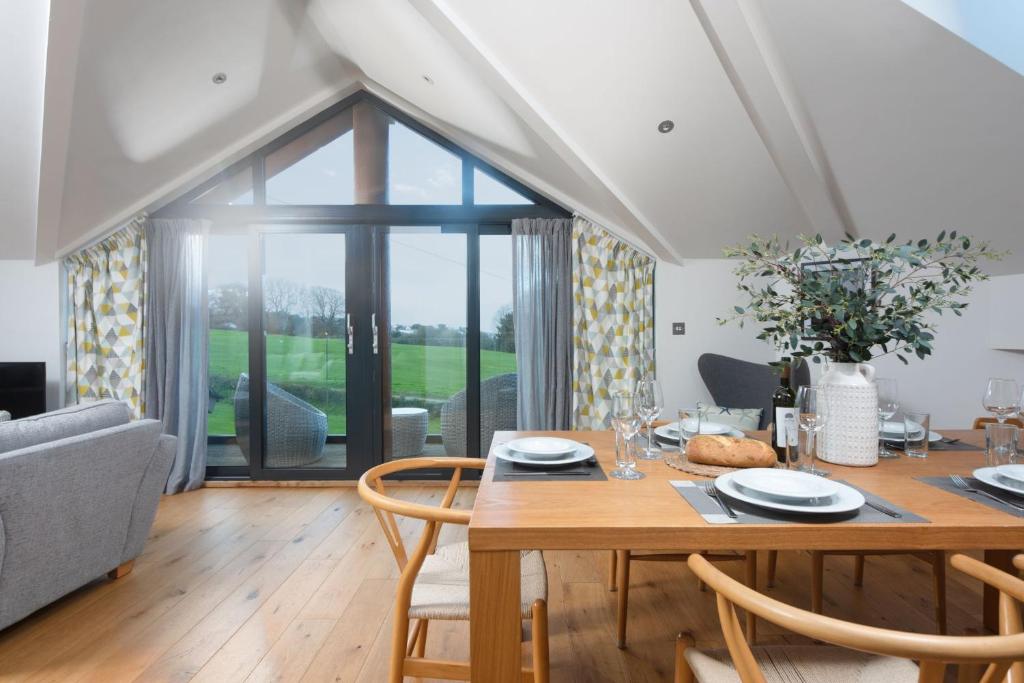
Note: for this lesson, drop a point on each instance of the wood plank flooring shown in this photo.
(295, 584)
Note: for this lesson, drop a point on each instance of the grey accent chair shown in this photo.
(296, 430)
(497, 413)
(79, 493)
(735, 383)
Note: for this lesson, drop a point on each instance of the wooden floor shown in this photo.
(295, 584)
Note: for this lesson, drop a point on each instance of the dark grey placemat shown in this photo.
(938, 446)
(946, 484)
(581, 472)
(706, 506)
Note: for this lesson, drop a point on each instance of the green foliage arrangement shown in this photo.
(856, 300)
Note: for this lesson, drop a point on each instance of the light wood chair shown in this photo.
(434, 581)
(980, 422)
(618, 579)
(864, 653)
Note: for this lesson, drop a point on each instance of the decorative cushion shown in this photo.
(744, 419)
(441, 590)
(788, 663)
(60, 424)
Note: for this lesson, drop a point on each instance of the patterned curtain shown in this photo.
(106, 301)
(613, 321)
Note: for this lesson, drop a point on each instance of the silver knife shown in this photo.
(884, 510)
(546, 474)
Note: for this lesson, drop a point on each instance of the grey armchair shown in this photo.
(497, 413)
(296, 430)
(735, 383)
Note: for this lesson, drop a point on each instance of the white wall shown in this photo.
(696, 293)
(30, 319)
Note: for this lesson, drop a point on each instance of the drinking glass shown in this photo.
(649, 403)
(1001, 444)
(888, 404)
(690, 420)
(813, 414)
(627, 423)
(1002, 398)
(915, 434)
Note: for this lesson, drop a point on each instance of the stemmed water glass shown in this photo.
(1002, 398)
(813, 414)
(888, 404)
(649, 402)
(626, 422)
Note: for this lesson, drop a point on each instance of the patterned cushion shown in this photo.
(788, 663)
(744, 419)
(441, 590)
(60, 424)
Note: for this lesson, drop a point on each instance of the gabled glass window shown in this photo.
(421, 171)
(318, 167)
(235, 190)
(487, 190)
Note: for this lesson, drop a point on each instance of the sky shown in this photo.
(428, 268)
(993, 26)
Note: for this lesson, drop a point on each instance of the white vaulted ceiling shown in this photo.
(790, 115)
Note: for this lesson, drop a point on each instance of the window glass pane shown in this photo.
(228, 292)
(498, 380)
(315, 168)
(420, 171)
(487, 190)
(234, 190)
(427, 331)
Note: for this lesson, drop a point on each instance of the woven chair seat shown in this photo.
(796, 663)
(441, 590)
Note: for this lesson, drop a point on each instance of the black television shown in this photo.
(23, 388)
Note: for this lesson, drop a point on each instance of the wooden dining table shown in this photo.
(649, 514)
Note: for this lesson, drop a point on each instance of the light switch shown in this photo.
(678, 328)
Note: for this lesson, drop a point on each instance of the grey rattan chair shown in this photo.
(296, 430)
(497, 413)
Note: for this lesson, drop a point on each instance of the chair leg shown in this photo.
(751, 581)
(623, 597)
(421, 640)
(939, 577)
(399, 643)
(817, 580)
(701, 586)
(539, 646)
(683, 673)
(773, 562)
(858, 570)
(613, 556)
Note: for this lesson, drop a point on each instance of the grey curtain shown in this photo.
(542, 312)
(176, 338)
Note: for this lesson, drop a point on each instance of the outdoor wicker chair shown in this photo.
(296, 430)
(497, 413)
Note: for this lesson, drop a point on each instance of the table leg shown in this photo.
(1002, 560)
(494, 617)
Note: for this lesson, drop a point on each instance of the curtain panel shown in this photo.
(177, 332)
(613, 321)
(106, 295)
(542, 312)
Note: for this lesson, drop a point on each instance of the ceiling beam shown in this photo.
(753, 65)
(447, 23)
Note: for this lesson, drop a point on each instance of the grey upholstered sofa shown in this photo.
(79, 489)
(497, 413)
(735, 383)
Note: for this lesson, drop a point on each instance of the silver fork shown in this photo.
(712, 492)
(962, 484)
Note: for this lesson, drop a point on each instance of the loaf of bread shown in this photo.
(728, 451)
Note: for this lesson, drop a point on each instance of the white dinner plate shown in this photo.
(1012, 472)
(784, 485)
(988, 475)
(665, 434)
(542, 447)
(705, 427)
(893, 431)
(847, 499)
(582, 453)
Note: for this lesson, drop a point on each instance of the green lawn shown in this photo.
(314, 369)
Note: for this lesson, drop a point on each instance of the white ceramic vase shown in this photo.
(850, 436)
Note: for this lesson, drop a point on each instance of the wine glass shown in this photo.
(813, 414)
(888, 404)
(627, 423)
(649, 402)
(1002, 398)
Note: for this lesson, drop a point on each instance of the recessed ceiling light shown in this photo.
(666, 126)
(428, 79)
(219, 77)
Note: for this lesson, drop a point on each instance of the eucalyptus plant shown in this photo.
(856, 300)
